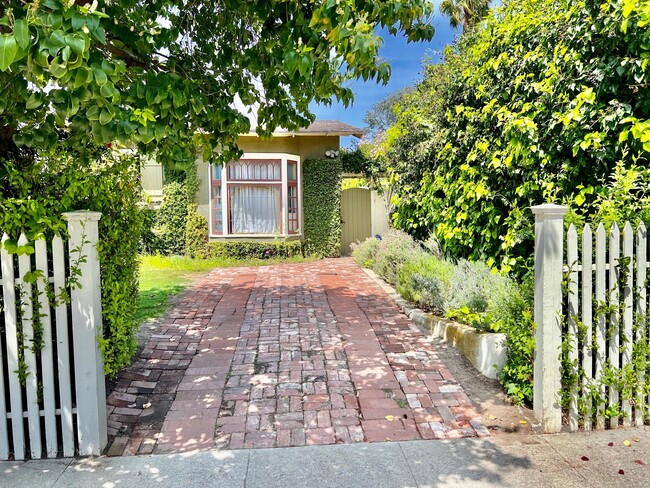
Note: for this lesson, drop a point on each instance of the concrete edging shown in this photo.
(485, 350)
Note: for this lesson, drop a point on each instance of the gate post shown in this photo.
(549, 250)
(86, 332)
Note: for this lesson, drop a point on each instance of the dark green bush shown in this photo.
(148, 238)
(34, 194)
(196, 234)
(322, 207)
(514, 314)
(171, 219)
(255, 250)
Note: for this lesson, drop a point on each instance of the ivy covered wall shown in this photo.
(322, 207)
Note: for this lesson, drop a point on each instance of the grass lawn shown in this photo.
(162, 277)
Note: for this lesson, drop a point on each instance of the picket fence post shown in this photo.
(87, 329)
(549, 249)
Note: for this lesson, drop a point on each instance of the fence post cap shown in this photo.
(549, 209)
(85, 215)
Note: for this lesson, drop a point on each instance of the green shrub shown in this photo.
(196, 234)
(322, 207)
(364, 252)
(425, 282)
(35, 193)
(171, 219)
(395, 251)
(470, 286)
(253, 249)
(514, 314)
(148, 238)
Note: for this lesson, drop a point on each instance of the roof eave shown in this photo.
(311, 134)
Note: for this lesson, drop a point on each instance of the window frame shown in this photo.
(284, 183)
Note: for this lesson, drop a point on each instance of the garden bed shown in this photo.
(485, 350)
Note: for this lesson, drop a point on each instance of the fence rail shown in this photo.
(51, 379)
(592, 329)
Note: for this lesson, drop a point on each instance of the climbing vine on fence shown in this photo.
(605, 369)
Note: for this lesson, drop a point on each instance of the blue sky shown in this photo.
(406, 62)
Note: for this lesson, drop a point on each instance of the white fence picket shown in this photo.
(601, 323)
(4, 431)
(572, 314)
(47, 352)
(63, 348)
(614, 324)
(587, 321)
(640, 405)
(31, 383)
(627, 341)
(11, 321)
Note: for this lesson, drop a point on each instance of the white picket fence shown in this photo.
(601, 317)
(59, 409)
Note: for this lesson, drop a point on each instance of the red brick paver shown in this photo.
(287, 355)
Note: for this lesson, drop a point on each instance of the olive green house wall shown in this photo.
(301, 145)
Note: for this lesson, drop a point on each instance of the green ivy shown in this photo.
(322, 207)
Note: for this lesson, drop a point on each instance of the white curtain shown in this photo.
(255, 209)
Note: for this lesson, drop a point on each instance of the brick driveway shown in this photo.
(288, 355)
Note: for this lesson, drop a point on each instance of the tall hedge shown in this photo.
(322, 207)
(171, 219)
(541, 103)
(35, 192)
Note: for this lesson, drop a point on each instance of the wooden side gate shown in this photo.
(356, 220)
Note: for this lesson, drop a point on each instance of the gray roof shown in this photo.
(322, 128)
(332, 127)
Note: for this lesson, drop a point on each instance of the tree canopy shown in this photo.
(157, 72)
(382, 114)
(465, 13)
(546, 100)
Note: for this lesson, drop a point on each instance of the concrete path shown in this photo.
(599, 459)
(291, 355)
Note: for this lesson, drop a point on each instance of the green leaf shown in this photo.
(77, 44)
(100, 76)
(99, 34)
(78, 21)
(81, 78)
(93, 113)
(105, 117)
(21, 32)
(35, 100)
(304, 65)
(8, 51)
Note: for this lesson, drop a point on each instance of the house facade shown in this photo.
(259, 196)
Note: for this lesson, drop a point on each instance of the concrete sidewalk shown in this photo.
(563, 460)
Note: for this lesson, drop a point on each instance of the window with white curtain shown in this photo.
(255, 209)
(256, 195)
